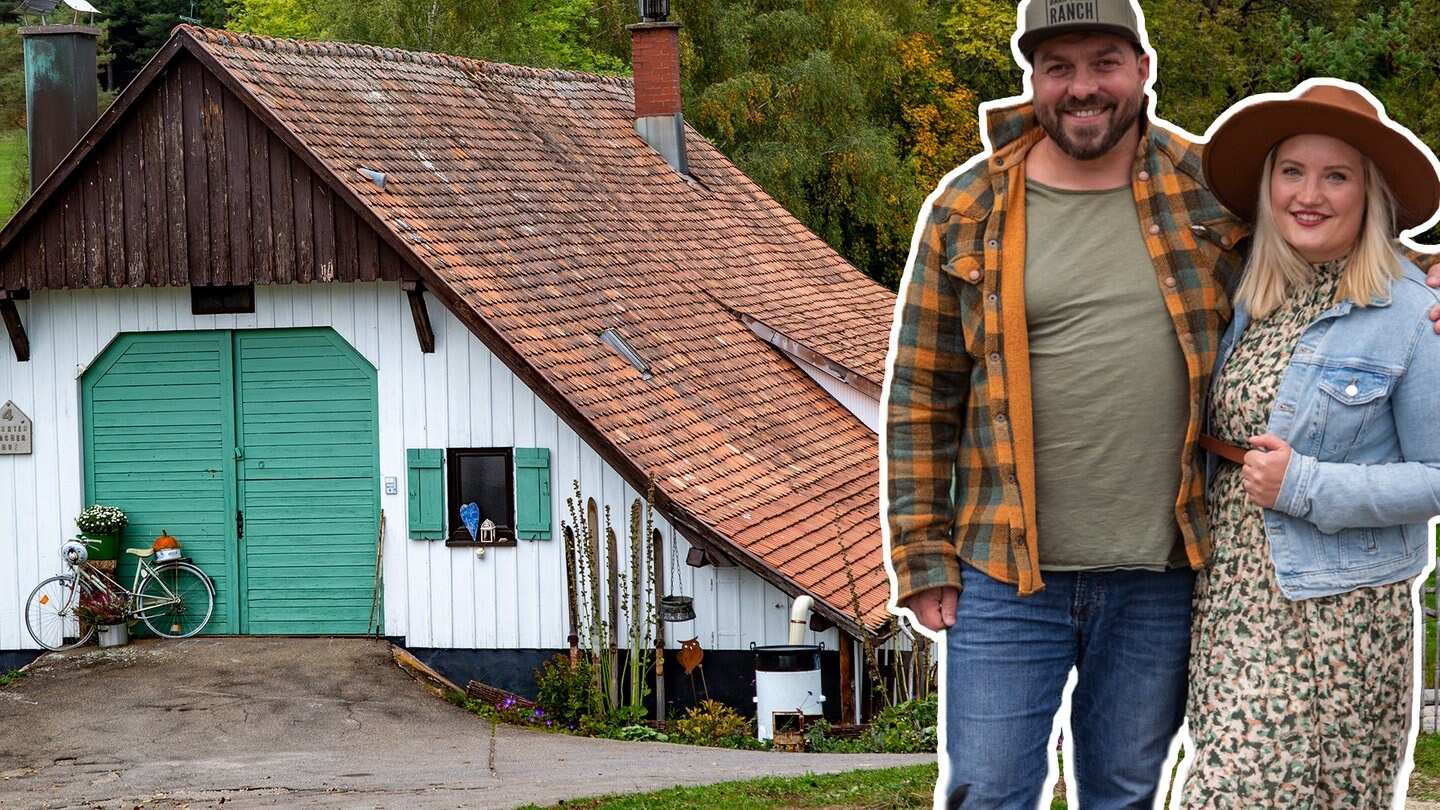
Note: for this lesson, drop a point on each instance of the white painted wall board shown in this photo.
(459, 396)
(865, 408)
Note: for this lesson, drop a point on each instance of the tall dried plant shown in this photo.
(634, 596)
(593, 629)
(913, 675)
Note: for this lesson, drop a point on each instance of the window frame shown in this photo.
(222, 299)
(456, 535)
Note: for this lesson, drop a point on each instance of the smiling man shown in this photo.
(1054, 339)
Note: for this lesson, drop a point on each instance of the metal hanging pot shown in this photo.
(676, 608)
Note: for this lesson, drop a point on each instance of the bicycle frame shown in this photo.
(174, 598)
(136, 603)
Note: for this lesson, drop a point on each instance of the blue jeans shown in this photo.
(1127, 635)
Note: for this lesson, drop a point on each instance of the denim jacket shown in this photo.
(1360, 406)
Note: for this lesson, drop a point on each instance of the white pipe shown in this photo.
(800, 618)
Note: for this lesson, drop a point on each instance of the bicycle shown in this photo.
(174, 598)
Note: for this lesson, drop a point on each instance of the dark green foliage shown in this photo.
(12, 78)
(910, 727)
(833, 108)
(567, 691)
(586, 35)
(137, 28)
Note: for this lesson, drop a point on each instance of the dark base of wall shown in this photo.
(725, 675)
(15, 659)
(511, 670)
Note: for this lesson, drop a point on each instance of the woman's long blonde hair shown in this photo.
(1275, 267)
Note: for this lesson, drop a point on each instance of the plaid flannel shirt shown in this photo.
(959, 435)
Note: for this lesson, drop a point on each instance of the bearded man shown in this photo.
(1055, 335)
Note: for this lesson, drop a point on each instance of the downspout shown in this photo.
(800, 618)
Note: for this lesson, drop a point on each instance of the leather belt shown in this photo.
(1228, 452)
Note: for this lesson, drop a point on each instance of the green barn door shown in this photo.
(158, 433)
(308, 481)
(259, 451)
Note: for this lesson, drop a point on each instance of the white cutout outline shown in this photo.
(1182, 741)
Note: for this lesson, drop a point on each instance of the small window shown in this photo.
(485, 477)
(223, 300)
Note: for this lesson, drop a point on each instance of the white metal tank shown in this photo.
(787, 679)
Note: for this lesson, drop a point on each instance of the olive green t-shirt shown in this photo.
(1109, 385)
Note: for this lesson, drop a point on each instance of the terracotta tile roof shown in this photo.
(530, 195)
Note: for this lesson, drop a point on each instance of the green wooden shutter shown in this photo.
(532, 493)
(427, 493)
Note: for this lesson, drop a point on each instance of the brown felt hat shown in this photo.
(1241, 140)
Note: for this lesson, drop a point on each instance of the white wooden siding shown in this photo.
(865, 407)
(460, 396)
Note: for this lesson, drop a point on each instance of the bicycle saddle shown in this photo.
(140, 552)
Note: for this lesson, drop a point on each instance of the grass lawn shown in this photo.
(886, 789)
(12, 146)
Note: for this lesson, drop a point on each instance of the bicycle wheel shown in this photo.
(50, 613)
(176, 600)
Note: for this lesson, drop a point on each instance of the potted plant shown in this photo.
(101, 527)
(106, 611)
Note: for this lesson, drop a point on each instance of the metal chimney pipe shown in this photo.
(654, 10)
(61, 92)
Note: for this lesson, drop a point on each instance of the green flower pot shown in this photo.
(102, 546)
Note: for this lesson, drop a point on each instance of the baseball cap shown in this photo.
(1052, 18)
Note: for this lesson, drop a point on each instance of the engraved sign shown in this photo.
(14, 431)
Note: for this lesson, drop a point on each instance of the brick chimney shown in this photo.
(61, 92)
(655, 62)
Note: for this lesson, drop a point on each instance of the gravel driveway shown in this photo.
(309, 722)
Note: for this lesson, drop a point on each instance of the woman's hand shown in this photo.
(1264, 469)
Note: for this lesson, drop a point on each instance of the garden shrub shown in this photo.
(910, 727)
(566, 690)
(715, 724)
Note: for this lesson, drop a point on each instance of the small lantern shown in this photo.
(487, 531)
(654, 10)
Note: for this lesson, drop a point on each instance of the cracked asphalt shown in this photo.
(309, 722)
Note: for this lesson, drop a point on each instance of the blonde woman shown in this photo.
(1325, 421)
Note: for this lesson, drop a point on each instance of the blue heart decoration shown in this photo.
(470, 513)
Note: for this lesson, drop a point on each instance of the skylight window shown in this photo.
(617, 341)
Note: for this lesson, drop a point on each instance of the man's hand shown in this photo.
(934, 608)
(1432, 277)
(1264, 469)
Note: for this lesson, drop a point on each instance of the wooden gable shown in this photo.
(185, 185)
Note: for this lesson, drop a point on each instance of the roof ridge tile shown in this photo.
(238, 39)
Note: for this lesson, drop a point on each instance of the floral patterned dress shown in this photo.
(1293, 704)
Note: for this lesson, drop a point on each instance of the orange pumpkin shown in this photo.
(165, 541)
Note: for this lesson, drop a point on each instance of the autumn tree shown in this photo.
(586, 35)
(847, 112)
